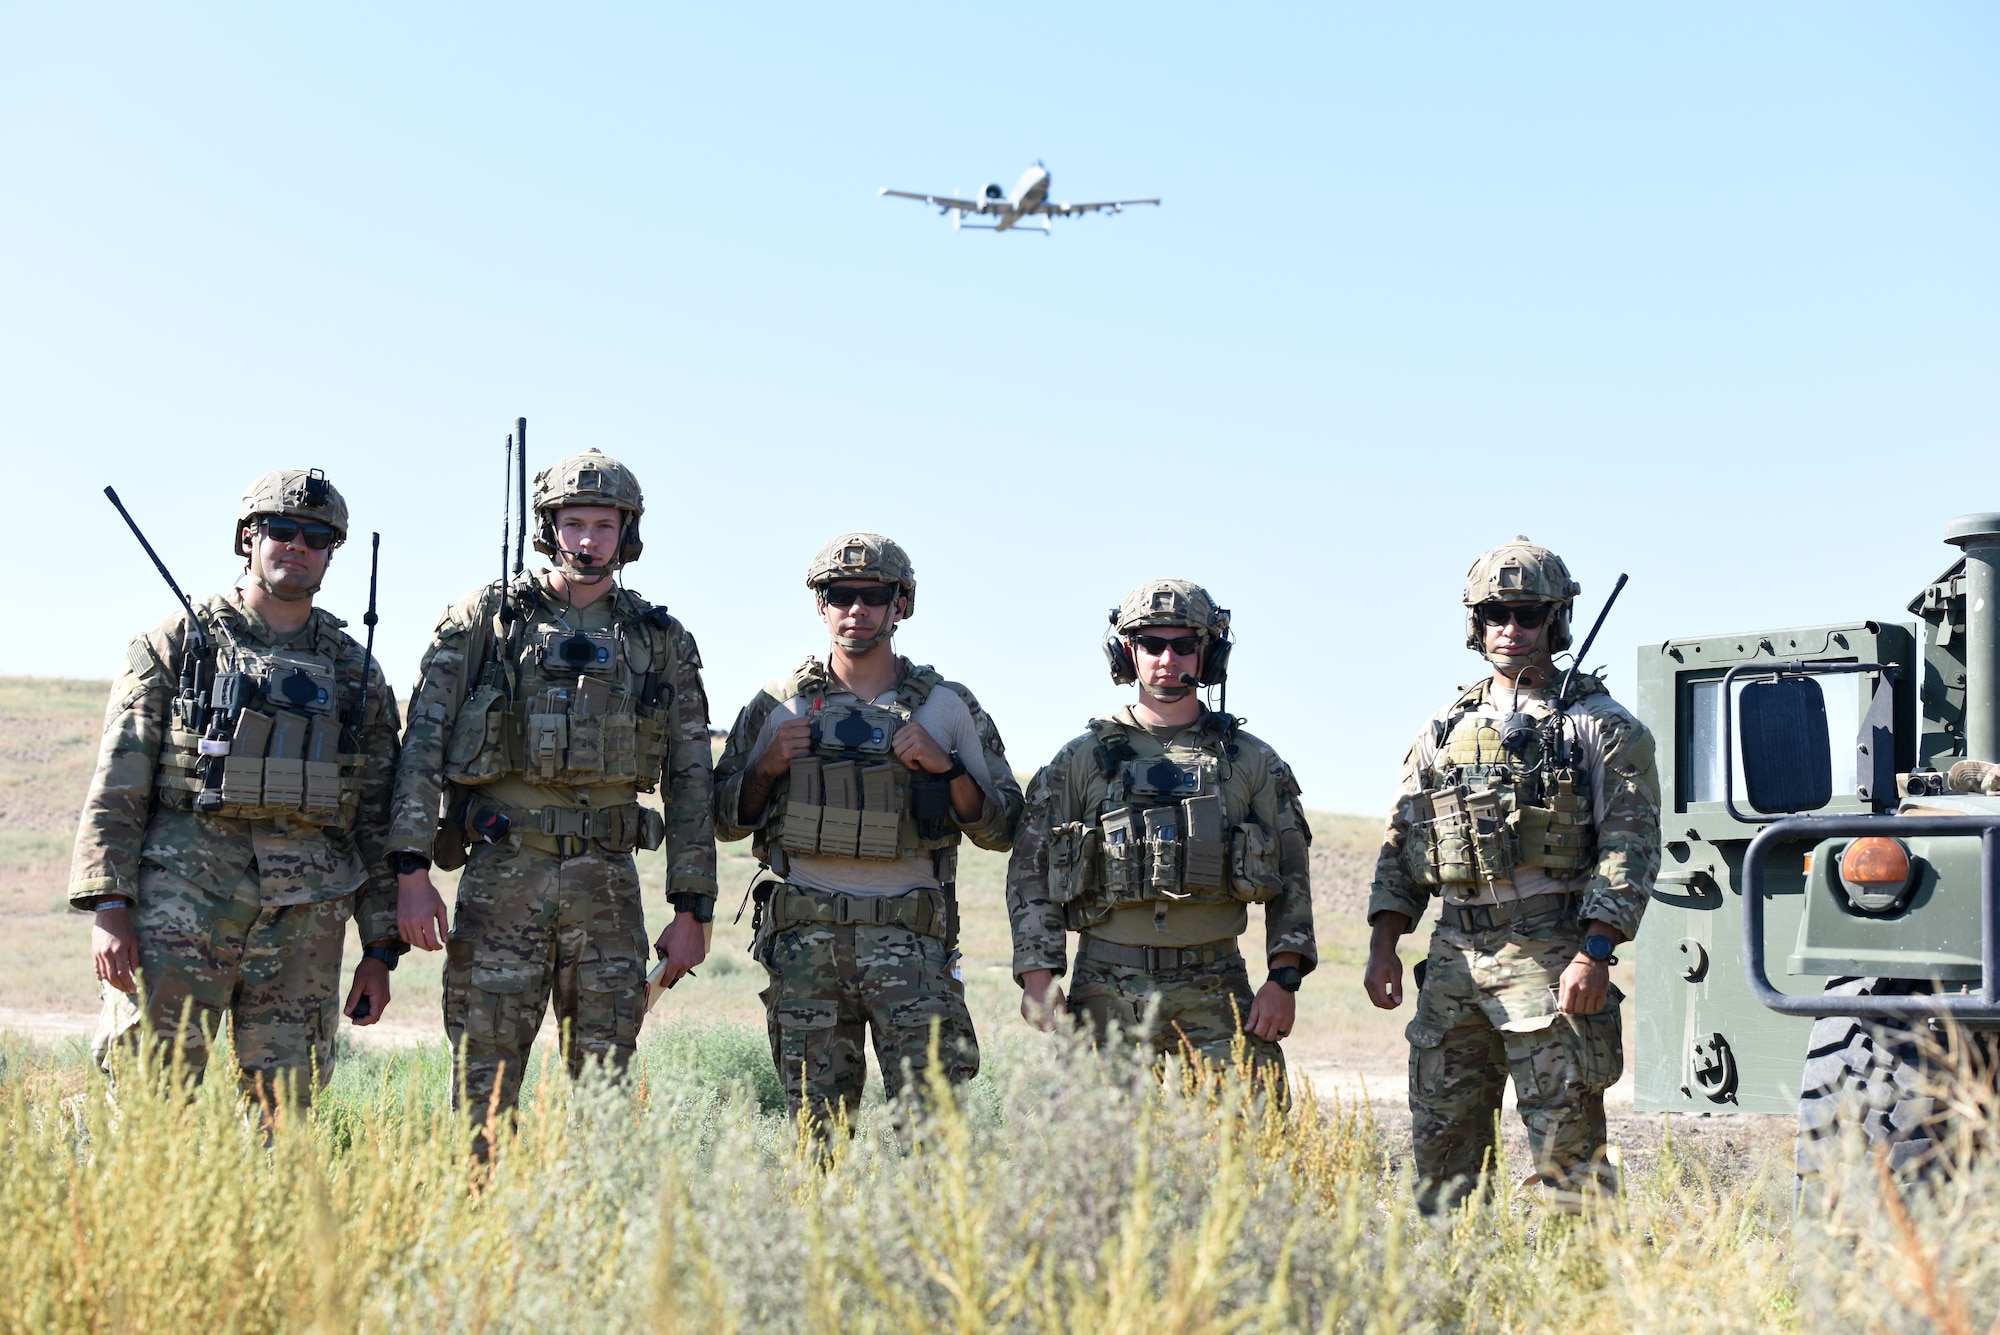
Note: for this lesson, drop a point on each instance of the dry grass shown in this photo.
(1055, 1193)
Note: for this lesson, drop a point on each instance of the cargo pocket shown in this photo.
(474, 753)
(1072, 861)
(608, 1005)
(496, 1004)
(1596, 1045)
(1253, 864)
(807, 1013)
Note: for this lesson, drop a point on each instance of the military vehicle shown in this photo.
(1824, 904)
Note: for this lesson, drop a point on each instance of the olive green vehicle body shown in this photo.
(1703, 1042)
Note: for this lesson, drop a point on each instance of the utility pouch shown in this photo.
(1072, 858)
(285, 761)
(840, 822)
(1492, 837)
(1448, 839)
(1124, 855)
(804, 800)
(652, 828)
(1202, 852)
(448, 845)
(323, 767)
(930, 804)
(1253, 864)
(881, 813)
(1163, 851)
(476, 751)
(243, 767)
(547, 738)
(621, 741)
(585, 752)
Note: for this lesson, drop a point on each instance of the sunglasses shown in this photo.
(1528, 616)
(1185, 645)
(871, 595)
(316, 536)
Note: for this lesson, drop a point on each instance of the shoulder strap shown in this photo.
(918, 682)
(1114, 744)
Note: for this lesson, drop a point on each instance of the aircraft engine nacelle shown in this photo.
(996, 194)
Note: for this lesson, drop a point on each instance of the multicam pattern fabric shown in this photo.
(1487, 1010)
(1193, 1011)
(1072, 787)
(272, 970)
(458, 651)
(125, 826)
(531, 927)
(1625, 782)
(830, 983)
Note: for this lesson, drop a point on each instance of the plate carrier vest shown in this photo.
(1176, 827)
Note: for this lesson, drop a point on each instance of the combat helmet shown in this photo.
(589, 478)
(1520, 572)
(868, 556)
(1169, 602)
(295, 493)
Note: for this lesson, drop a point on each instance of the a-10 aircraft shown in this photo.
(1028, 199)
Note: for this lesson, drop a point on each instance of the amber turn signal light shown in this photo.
(1875, 861)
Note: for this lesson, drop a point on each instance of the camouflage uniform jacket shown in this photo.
(1073, 787)
(1625, 790)
(125, 824)
(992, 828)
(455, 659)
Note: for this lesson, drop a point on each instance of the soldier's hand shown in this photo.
(114, 948)
(791, 741)
(1585, 984)
(919, 750)
(1272, 1012)
(1042, 1002)
(421, 919)
(683, 945)
(371, 980)
(1384, 978)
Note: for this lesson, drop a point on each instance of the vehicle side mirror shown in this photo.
(1787, 759)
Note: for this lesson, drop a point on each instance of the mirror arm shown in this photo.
(1793, 668)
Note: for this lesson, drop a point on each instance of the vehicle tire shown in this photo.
(1873, 1074)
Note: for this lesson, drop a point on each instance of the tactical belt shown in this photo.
(921, 910)
(1491, 917)
(1156, 959)
(563, 830)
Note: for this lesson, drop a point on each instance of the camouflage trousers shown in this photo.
(1487, 1010)
(530, 927)
(831, 983)
(274, 972)
(1201, 1009)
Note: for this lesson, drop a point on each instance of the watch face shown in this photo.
(1597, 947)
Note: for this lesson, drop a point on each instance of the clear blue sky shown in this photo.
(1706, 293)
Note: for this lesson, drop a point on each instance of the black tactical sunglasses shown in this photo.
(873, 595)
(316, 536)
(1187, 646)
(1528, 616)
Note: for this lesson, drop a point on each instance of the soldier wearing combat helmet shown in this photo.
(545, 705)
(237, 816)
(1149, 836)
(1530, 807)
(855, 778)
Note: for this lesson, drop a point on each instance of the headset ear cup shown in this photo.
(1123, 670)
(1559, 638)
(1215, 663)
(629, 546)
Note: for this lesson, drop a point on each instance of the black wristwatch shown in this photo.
(403, 863)
(701, 906)
(388, 955)
(957, 769)
(1599, 948)
(1288, 977)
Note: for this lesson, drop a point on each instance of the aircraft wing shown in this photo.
(945, 202)
(1072, 210)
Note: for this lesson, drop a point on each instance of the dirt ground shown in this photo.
(48, 743)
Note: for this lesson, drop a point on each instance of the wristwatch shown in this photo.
(1288, 977)
(957, 769)
(701, 906)
(389, 956)
(1599, 949)
(403, 863)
